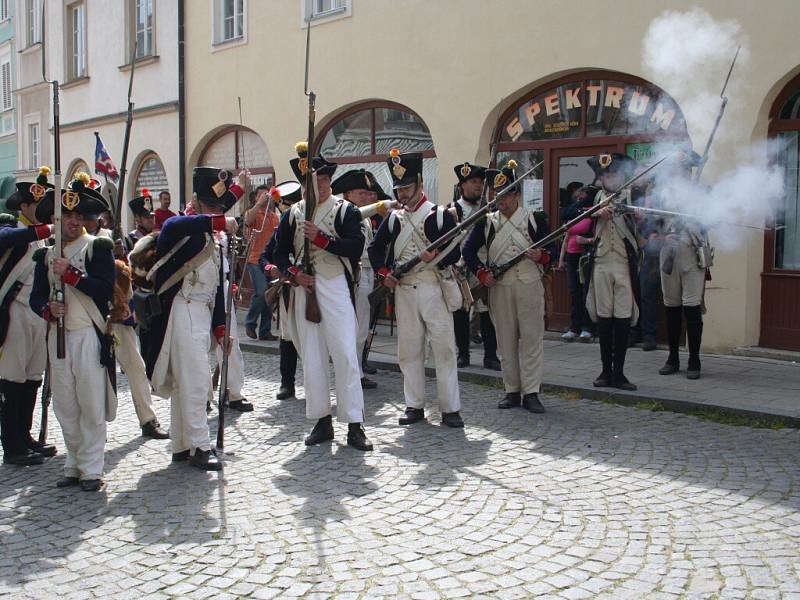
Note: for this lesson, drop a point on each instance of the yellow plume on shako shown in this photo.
(302, 149)
(512, 164)
(83, 177)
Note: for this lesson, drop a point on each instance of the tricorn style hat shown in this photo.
(406, 169)
(30, 193)
(502, 178)
(614, 162)
(358, 179)
(468, 171)
(289, 191)
(142, 205)
(319, 165)
(212, 186)
(79, 198)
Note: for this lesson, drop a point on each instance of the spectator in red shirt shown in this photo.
(163, 212)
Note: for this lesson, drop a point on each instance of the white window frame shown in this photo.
(309, 11)
(76, 52)
(4, 10)
(33, 148)
(218, 19)
(134, 29)
(33, 22)
(6, 84)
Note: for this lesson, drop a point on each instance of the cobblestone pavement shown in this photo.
(587, 500)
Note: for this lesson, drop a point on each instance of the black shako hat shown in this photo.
(142, 206)
(319, 165)
(289, 191)
(212, 186)
(358, 179)
(614, 162)
(30, 192)
(406, 169)
(78, 197)
(500, 179)
(466, 171)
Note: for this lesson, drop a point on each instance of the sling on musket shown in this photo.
(313, 314)
(226, 342)
(59, 295)
(377, 295)
(123, 169)
(480, 290)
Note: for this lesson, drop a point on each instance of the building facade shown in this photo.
(8, 77)
(90, 46)
(451, 76)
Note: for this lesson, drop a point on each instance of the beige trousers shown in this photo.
(131, 362)
(518, 315)
(420, 309)
(610, 292)
(23, 357)
(685, 285)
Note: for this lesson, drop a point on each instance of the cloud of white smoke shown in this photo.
(688, 54)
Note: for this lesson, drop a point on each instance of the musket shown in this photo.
(223, 372)
(247, 196)
(123, 170)
(377, 295)
(480, 291)
(313, 314)
(721, 112)
(59, 296)
(47, 394)
(673, 213)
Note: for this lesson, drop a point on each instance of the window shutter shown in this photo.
(5, 80)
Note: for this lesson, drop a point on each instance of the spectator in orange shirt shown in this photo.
(261, 225)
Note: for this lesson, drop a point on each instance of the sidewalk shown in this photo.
(751, 386)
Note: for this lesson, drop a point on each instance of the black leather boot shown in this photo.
(673, 339)
(30, 389)
(241, 405)
(461, 329)
(322, 432)
(452, 419)
(512, 400)
(357, 438)
(621, 329)
(206, 460)
(489, 338)
(694, 335)
(288, 367)
(532, 404)
(605, 336)
(411, 416)
(152, 429)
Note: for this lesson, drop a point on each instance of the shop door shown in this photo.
(567, 166)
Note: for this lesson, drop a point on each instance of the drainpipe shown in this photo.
(181, 107)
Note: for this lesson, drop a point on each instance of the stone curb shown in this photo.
(493, 378)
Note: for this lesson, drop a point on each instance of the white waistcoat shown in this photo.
(510, 238)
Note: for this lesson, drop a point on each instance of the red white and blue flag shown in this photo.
(103, 165)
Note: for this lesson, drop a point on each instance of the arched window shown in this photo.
(237, 147)
(780, 281)
(78, 166)
(151, 175)
(362, 136)
(573, 118)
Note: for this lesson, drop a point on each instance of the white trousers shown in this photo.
(23, 356)
(362, 313)
(334, 337)
(79, 396)
(421, 310)
(235, 360)
(188, 366)
(517, 312)
(132, 363)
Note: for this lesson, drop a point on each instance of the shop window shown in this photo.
(152, 176)
(787, 150)
(363, 135)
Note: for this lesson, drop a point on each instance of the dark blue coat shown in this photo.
(381, 250)
(17, 240)
(97, 282)
(173, 231)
